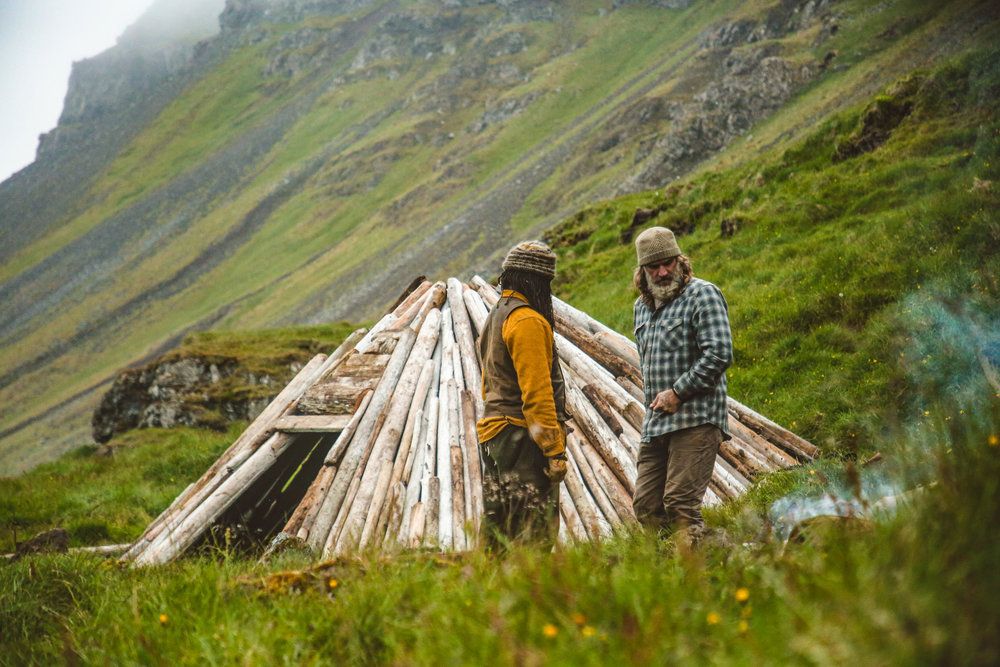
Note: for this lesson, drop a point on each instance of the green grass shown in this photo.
(825, 255)
(108, 499)
(863, 295)
(917, 588)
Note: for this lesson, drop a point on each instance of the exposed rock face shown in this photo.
(744, 79)
(753, 85)
(189, 391)
(110, 97)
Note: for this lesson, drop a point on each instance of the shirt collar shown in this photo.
(513, 293)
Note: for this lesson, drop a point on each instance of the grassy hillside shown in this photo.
(833, 257)
(918, 587)
(863, 288)
(325, 161)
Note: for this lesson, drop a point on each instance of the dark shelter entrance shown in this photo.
(260, 512)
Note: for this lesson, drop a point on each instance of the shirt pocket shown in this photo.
(672, 333)
(641, 334)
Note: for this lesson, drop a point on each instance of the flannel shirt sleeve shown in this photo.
(715, 345)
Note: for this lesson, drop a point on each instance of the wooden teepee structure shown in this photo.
(375, 445)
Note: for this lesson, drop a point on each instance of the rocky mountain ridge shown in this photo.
(314, 155)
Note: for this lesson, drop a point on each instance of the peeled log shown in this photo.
(590, 479)
(473, 463)
(570, 516)
(432, 517)
(361, 444)
(173, 543)
(237, 453)
(466, 341)
(793, 444)
(615, 490)
(457, 498)
(583, 502)
(478, 312)
(600, 436)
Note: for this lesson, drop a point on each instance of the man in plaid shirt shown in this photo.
(685, 346)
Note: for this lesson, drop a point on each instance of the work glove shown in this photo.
(556, 470)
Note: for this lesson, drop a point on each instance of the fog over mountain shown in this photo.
(40, 39)
(261, 163)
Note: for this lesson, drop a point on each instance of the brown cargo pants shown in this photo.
(673, 473)
(520, 503)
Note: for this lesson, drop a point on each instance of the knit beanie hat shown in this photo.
(532, 256)
(656, 244)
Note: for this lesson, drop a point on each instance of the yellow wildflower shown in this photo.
(550, 630)
(588, 631)
(993, 440)
(713, 618)
(742, 595)
(744, 626)
(578, 618)
(163, 619)
(333, 583)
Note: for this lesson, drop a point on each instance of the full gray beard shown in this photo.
(668, 292)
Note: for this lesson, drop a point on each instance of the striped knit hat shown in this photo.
(532, 256)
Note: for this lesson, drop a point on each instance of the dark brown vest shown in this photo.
(503, 393)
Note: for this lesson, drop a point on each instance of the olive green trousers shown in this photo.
(520, 502)
(673, 472)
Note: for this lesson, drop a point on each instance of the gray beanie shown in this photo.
(531, 256)
(656, 244)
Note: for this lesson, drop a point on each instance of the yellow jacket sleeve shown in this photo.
(529, 340)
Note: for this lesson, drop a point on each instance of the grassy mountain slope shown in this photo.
(831, 256)
(863, 286)
(328, 159)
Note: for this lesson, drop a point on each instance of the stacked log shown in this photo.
(405, 470)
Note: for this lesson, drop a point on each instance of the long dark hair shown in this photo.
(536, 288)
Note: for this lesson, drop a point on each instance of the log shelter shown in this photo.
(374, 446)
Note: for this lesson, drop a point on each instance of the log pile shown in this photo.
(402, 402)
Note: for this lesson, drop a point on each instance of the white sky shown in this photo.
(39, 40)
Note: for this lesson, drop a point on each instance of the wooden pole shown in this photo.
(779, 435)
(474, 463)
(620, 498)
(600, 435)
(423, 464)
(593, 486)
(574, 525)
(370, 519)
(459, 483)
(445, 523)
(465, 342)
(432, 510)
(457, 497)
(476, 308)
(368, 503)
(361, 443)
(614, 342)
(581, 500)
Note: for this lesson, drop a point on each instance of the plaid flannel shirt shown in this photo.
(685, 344)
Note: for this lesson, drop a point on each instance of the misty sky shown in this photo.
(39, 40)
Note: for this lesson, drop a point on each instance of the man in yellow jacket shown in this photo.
(521, 435)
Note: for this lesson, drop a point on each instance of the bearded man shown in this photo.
(685, 346)
(521, 435)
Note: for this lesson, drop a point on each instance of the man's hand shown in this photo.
(556, 470)
(666, 401)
